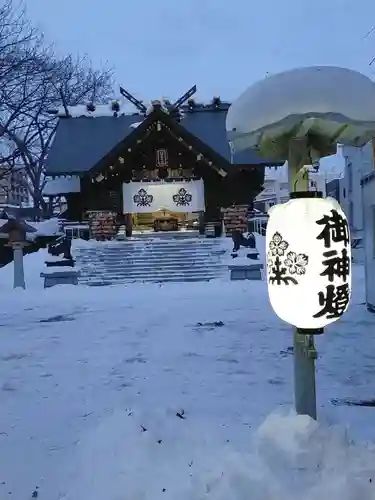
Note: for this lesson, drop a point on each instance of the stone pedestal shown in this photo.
(63, 277)
(246, 272)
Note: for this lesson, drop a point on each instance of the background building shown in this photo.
(13, 190)
(276, 187)
(368, 201)
(333, 189)
(358, 162)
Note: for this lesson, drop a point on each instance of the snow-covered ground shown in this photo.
(176, 392)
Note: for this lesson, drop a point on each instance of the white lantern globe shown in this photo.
(308, 261)
(328, 104)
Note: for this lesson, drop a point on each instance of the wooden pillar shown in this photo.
(128, 224)
(75, 207)
(212, 192)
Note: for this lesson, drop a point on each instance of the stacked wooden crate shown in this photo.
(235, 218)
(102, 225)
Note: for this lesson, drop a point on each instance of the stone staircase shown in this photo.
(163, 259)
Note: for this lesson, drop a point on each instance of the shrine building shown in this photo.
(169, 158)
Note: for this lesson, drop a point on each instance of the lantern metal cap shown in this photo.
(310, 331)
(305, 194)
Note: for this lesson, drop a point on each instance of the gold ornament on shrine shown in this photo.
(308, 260)
(162, 158)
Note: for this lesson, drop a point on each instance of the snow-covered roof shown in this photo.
(100, 110)
(82, 143)
(50, 227)
(135, 125)
(62, 185)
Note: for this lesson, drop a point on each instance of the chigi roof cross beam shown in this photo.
(138, 104)
(185, 97)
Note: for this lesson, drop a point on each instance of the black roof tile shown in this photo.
(209, 126)
(80, 143)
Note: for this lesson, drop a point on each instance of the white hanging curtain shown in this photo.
(145, 197)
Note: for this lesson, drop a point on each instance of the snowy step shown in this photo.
(147, 274)
(147, 257)
(132, 248)
(171, 279)
(151, 261)
(139, 243)
(159, 251)
(149, 269)
(154, 255)
(160, 274)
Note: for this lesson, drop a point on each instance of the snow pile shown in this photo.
(50, 227)
(73, 359)
(226, 245)
(260, 242)
(169, 456)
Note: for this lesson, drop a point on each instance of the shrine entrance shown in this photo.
(164, 206)
(166, 220)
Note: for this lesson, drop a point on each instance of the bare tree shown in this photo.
(67, 82)
(34, 82)
(19, 43)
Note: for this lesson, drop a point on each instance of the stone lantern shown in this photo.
(16, 231)
(300, 116)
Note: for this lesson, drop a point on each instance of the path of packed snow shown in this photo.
(156, 392)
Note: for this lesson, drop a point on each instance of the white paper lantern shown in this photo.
(308, 261)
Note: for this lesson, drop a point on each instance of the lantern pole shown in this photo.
(18, 274)
(304, 353)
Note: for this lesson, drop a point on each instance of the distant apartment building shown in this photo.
(276, 188)
(358, 163)
(333, 189)
(13, 190)
(368, 222)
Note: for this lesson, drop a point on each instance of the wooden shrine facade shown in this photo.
(153, 148)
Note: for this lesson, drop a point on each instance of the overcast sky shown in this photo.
(163, 47)
(160, 48)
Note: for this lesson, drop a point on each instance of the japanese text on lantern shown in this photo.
(336, 264)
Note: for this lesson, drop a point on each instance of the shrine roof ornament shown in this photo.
(117, 107)
(81, 143)
(329, 104)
